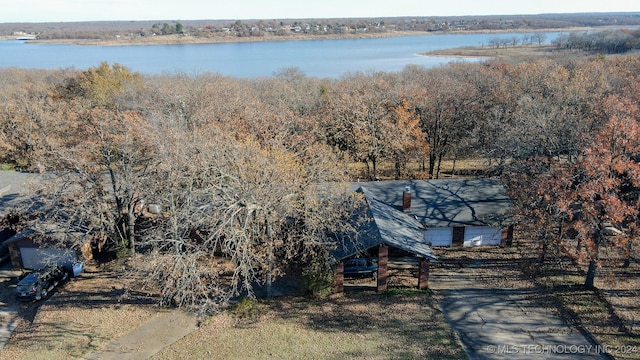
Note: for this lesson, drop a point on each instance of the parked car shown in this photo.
(361, 267)
(38, 284)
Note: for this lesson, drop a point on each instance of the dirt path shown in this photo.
(505, 323)
(149, 338)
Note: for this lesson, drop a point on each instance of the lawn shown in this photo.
(89, 312)
(80, 317)
(359, 324)
(608, 314)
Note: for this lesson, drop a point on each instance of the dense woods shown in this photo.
(214, 182)
(607, 42)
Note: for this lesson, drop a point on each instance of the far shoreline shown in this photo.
(221, 39)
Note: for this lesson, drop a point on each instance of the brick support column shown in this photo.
(507, 236)
(338, 277)
(423, 274)
(457, 236)
(383, 261)
(16, 257)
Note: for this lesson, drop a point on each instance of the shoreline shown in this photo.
(228, 38)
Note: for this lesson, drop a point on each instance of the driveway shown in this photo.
(499, 323)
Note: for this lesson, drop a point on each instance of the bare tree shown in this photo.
(445, 104)
(539, 37)
(245, 210)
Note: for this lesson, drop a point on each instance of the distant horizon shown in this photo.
(312, 18)
(62, 11)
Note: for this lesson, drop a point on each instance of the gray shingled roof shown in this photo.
(385, 225)
(447, 202)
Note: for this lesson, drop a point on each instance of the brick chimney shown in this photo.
(406, 199)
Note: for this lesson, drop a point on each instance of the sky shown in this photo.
(95, 10)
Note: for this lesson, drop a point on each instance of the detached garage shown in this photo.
(453, 212)
(28, 253)
(38, 258)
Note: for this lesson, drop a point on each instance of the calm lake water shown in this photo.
(317, 58)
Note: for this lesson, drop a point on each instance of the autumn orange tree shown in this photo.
(535, 185)
(368, 117)
(408, 140)
(602, 195)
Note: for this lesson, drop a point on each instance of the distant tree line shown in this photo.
(606, 42)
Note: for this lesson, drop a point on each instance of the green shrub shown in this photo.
(317, 278)
(246, 308)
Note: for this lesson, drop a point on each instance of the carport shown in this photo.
(385, 227)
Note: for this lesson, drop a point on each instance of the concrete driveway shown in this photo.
(495, 323)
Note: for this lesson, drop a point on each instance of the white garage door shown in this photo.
(438, 236)
(36, 258)
(482, 235)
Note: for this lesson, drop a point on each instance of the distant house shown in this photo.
(415, 215)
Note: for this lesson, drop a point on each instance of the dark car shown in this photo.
(361, 267)
(38, 284)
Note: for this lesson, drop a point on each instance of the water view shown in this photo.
(317, 58)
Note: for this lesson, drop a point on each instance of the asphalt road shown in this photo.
(12, 184)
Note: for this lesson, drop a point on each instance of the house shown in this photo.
(12, 185)
(36, 247)
(379, 228)
(415, 215)
(453, 212)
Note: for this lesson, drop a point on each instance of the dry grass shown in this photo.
(519, 52)
(92, 310)
(448, 169)
(608, 313)
(353, 325)
(85, 314)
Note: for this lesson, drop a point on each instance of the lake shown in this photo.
(317, 58)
